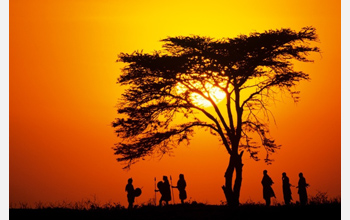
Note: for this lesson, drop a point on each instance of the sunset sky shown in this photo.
(63, 93)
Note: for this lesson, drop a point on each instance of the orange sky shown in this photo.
(63, 96)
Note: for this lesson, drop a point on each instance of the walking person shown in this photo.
(164, 189)
(267, 189)
(181, 185)
(131, 195)
(302, 189)
(287, 193)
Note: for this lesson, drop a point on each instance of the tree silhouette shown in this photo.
(249, 70)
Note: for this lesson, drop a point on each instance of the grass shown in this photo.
(319, 207)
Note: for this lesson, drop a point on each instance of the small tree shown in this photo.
(249, 70)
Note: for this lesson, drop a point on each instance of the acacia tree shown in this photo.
(249, 69)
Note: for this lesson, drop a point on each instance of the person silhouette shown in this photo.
(164, 189)
(130, 190)
(267, 189)
(181, 185)
(302, 189)
(287, 193)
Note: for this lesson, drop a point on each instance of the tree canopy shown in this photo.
(248, 69)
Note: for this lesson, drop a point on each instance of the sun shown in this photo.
(214, 92)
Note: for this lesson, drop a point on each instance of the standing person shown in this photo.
(131, 197)
(267, 189)
(302, 189)
(181, 185)
(167, 191)
(164, 189)
(287, 193)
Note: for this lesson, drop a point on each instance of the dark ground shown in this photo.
(188, 211)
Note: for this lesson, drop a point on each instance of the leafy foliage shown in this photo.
(161, 84)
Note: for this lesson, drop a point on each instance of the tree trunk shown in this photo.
(232, 194)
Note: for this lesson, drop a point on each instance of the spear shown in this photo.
(155, 192)
(172, 190)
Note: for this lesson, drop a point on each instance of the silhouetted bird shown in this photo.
(181, 185)
(130, 189)
(164, 189)
(267, 189)
(302, 189)
(287, 193)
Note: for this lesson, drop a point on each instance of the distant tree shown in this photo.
(249, 70)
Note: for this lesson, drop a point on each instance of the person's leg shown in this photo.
(286, 201)
(304, 199)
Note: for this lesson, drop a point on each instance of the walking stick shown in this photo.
(155, 192)
(172, 190)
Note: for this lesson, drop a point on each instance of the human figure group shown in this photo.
(163, 188)
(287, 193)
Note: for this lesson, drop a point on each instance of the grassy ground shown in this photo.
(187, 211)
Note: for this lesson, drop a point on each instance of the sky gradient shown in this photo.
(63, 93)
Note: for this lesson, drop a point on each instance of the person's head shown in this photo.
(265, 172)
(300, 174)
(130, 180)
(284, 174)
(181, 176)
(165, 178)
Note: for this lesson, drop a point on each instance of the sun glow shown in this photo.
(215, 93)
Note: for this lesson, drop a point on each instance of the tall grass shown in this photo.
(93, 203)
